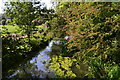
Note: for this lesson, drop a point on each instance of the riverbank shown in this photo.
(40, 60)
(12, 59)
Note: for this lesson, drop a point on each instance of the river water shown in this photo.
(36, 67)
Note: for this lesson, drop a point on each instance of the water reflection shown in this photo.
(36, 68)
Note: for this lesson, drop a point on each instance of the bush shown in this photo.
(95, 29)
(61, 66)
(8, 21)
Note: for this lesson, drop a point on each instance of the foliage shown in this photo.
(20, 48)
(10, 53)
(16, 50)
(107, 70)
(8, 21)
(10, 28)
(114, 72)
(23, 13)
(95, 29)
(61, 66)
(55, 25)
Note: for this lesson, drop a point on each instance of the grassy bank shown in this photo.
(10, 28)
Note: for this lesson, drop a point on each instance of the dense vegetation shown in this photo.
(95, 30)
(93, 48)
(22, 37)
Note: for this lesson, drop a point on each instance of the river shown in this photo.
(37, 66)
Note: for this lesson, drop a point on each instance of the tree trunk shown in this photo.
(28, 37)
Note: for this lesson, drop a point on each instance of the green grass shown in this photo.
(11, 29)
(16, 30)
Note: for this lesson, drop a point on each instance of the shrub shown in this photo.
(95, 29)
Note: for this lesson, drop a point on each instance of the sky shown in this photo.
(47, 2)
(1, 5)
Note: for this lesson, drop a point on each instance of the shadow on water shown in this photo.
(13, 56)
(37, 66)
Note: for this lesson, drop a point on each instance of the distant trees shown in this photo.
(56, 23)
(23, 14)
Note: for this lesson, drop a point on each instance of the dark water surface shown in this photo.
(37, 66)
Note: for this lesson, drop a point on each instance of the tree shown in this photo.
(23, 14)
(95, 29)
